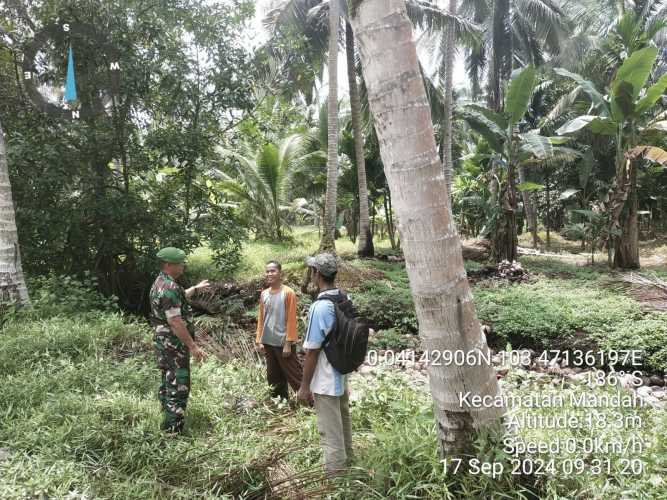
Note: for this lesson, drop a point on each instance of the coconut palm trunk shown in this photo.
(328, 236)
(449, 49)
(365, 247)
(12, 282)
(433, 257)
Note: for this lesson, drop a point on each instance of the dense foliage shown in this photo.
(103, 193)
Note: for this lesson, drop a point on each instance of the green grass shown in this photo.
(83, 416)
(558, 313)
(291, 254)
(81, 419)
(564, 305)
(80, 416)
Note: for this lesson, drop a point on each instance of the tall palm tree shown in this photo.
(513, 149)
(328, 241)
(517, 33)
(449, 49)
(600, 39)
(432, 248)
(365, 248)
(12, 282)
(448, 28)
(309, 17)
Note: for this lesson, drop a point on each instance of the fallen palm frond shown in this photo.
(646, 288)
(265, 477)
(226, 298)
(279, 480)
(225, 341)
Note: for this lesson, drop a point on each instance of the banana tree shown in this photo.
(626, 115)
(511, 150)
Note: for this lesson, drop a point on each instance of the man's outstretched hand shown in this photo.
(202, 286)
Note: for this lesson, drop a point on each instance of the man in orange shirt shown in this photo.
(276, 333)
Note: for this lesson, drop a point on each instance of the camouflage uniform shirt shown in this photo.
(167, 300)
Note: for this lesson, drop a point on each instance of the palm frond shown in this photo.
(477, 10)
(237, 189)
(564, 104)
(527, 39)
(549, 21)
(428, 16)
(246, 171)
(647, 288)
(575, 51)
(269, 169)
(558, 156)
(475, 64)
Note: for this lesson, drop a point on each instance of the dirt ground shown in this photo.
(652, 253)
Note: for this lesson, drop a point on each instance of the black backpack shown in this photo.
(345, 346)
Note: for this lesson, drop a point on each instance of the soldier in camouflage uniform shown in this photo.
(171, 318)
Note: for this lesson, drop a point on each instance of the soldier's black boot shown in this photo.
(172, 427)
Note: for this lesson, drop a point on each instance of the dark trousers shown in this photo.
(282, 371)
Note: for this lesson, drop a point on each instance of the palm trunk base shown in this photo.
(626, 253)
(505, 242)
(327, 244)
(366, 249)
(455, 433)
(626, 247)
(458, 431)
(12, 292)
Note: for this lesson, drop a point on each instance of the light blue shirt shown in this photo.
(321, 316)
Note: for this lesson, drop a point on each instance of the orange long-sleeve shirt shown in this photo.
(290, 302)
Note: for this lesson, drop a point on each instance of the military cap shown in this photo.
(325, 263)
(172, 255)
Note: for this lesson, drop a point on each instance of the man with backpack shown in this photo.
(335, 345)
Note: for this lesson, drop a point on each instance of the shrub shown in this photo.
(391, 338)
(542, 311)
(226, 244)
(53, 295)
(550, 313)
(386, 307)
(648, 334)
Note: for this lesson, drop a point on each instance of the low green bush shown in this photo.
(566, 269)
(648, 334)
(554, 313)
(386, 305)
(53, 295)
(391, 338)
(546, 309)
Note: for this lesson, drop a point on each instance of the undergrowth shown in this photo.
(81, 420)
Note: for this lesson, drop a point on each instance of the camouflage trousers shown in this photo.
(173, 359)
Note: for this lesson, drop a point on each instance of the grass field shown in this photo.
(80, 415)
